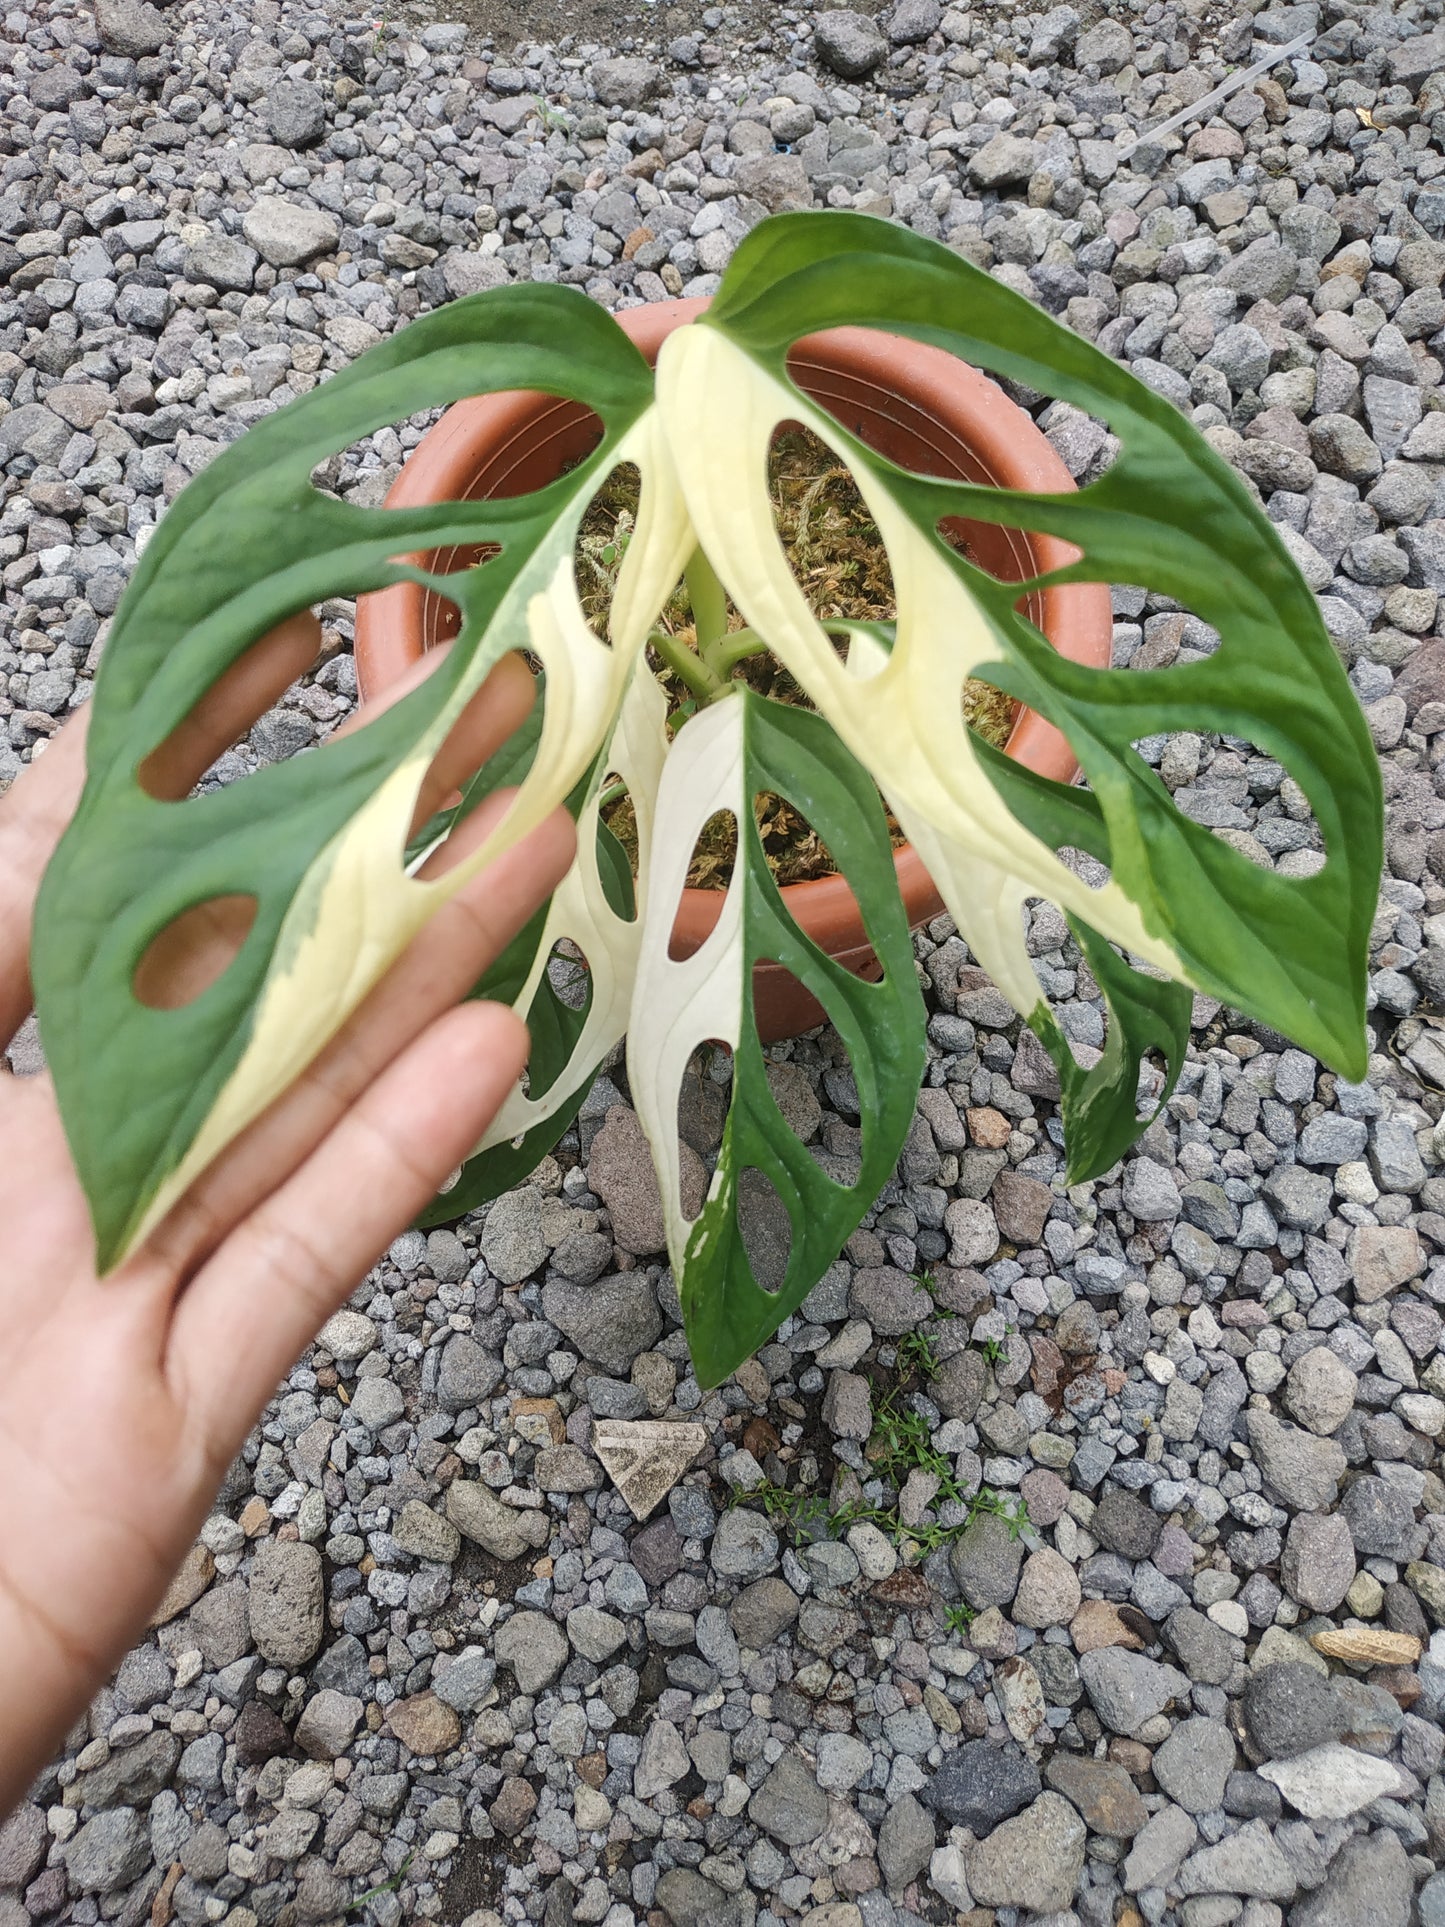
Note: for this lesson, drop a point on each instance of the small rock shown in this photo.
(24, 1840)
(425, 1724)
(625, 82)
(847, 1406)
(348, 1336)
(1021, 1205)
(662, 1762)
(1033, 1862)
(888, 1299)
(1126, 1689)
(131, 28)
(1319, 1560)
(1126, 1525)
(690, 1900)
(620, 1171)
(534, 1647)
(1103, 1792)
(790, 1805)
(1320, 1390)
(1159, 1848)
(1369, 1885)
(1193, 1764)
(108, 1852)
(466, 1682)
(425, 1534)
(848, 42)
(286, 1602)
(289, 236)
(905, 1842)
(328, 1724)
(1247, 1862)
(1332, 1782)
(1004, 161)
(762, 1611)
(981, 1784)
(504, 1531)
(744, 1545)
(986, 1560)
(377, 1403)
(595, 1634)
(1048, 1590)
(468, 1374)
(196, 1572)
(1301, 1470)
(512, 1242)
(295, 113)
(611, 1322)
(1150, 1193)
(1383, 1257)
(1380, 1517)
(1289, 1709)
(957, 1388)
(513, 1807)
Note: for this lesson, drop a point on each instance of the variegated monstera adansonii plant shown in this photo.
(150, 1096)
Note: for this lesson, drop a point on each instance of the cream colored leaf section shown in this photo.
(581, 913)
(357, 910)
(677, 1005)
(904, 722)
(984, 901)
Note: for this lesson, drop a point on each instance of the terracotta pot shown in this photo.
(914, 404)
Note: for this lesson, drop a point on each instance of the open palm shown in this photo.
(124, 1399)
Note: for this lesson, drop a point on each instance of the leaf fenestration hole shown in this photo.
(1243, 796)
(283, 692)
(467, 769)
(703, 1096)
(765, 1228)
(193, 951)
(1052, 950)
(569, 976)
(1088, 869)
(618, 851)
(714, 854)
(608, 525)
(832, 543)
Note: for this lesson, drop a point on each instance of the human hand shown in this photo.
(123, 1400)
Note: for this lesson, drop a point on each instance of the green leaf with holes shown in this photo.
(729, 754)
(149, 1097)
(1169, 515)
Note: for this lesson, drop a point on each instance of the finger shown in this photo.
(37, 808)
(440, 967)
(300, 1254)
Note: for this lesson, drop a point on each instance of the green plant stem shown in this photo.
(733, 648)
(709, 606)
(687, 666)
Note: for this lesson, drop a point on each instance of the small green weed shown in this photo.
(552, 118)
(900, 1444)
(916, 1354)
(959, 1617)
(387, 1887)
(995, 1350)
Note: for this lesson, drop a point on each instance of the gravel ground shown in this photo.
(423, 1647)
